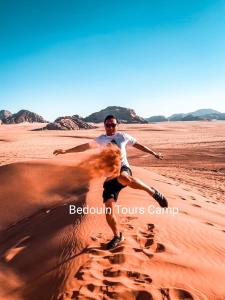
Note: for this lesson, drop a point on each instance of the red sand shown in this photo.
(48, 254)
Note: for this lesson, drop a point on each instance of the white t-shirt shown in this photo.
(121, 139)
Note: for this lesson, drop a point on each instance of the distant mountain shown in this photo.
(191, 117)
(200, 114)
(214, 116)
(203, 112)
(68, 123)
(157, 119)
(4, 114)
(176, 117)
(125, 115)
(23, 116)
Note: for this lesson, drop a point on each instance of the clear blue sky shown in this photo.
(76, 57)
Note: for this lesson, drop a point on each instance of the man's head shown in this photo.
(111, 124)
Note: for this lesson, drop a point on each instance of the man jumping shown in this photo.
(112, 187)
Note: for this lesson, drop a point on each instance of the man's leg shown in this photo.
(134, 183)
(111, 217)
(112, 221)
(127, 180)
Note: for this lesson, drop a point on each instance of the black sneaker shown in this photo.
(115, 241)
(160, 198)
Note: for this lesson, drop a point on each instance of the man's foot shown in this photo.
(115, 241)
(160, 198)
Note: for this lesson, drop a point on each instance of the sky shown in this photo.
(79, 56)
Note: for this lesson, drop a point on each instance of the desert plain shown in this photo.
(47, 253)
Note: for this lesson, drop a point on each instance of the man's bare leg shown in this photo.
(112, 221)
(134, 183)
(127, 180)
(111, 217)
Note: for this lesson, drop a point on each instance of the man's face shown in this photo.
(111, 126)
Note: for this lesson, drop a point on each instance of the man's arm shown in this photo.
(147, 150)
(79, 148)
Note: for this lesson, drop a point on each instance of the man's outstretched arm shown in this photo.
(148, 150)
(79, 148)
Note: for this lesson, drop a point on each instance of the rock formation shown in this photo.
(125, 115)
(69, 123)
(23, 116)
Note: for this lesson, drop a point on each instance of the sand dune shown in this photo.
(46, 253)
(62, 256)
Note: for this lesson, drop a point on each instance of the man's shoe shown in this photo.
(115, 241)
(160, 198)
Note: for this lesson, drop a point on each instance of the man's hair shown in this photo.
(111, 117)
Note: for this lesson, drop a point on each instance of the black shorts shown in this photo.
(113, 187)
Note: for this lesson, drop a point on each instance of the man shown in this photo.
(112, 187)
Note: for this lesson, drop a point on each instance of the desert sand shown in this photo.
(46, 253)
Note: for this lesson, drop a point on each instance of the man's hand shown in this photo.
(158, 155)
(59, 151)
(148, 150)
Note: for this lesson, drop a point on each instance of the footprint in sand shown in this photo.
(184, 212)
(169, 294)
(16, 249)
(129, 226)
(138, 277)
(117, 258)
(126, 222)
(131, 218)
(110, 283)
(208, 223)
(146, 240)
(211, 202)
(150, 226)
(143, 295)
(160, 248)
(110, 272)
(196, 205)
